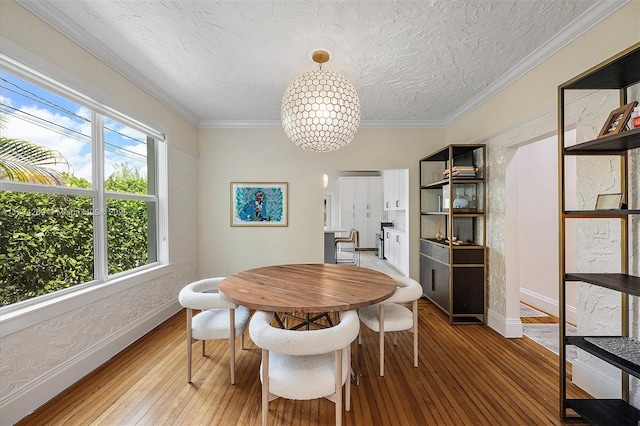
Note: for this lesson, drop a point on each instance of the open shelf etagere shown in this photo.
(453, 275)
(619, 73)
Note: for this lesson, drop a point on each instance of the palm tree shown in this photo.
(24, 161)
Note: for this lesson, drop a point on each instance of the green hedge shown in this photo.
(46, 240)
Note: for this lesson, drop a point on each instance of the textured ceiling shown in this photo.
(413, 63)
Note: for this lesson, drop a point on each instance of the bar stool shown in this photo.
(354, 239)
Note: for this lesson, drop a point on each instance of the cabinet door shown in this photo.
(361, 193)
(400, 189)
(347, 220)
(441, 286)
(468, 290)
(361, 226)
(387, 244)
(387, 183)
(373, 227)
(401, 254)
(347, 193)
(434, 278)
(393, 248)
(426, 276)
(375, 194)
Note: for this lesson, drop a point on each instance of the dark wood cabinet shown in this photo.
(452, 232)
(434, 277)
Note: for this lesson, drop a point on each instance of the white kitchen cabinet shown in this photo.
(368, 223)
(395, 189)
(387, 244)
(361, 207)
(396, 249)
(387, 184)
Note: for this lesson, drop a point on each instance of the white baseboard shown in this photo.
(594, 382)
(508, 327)
(547, 305)
(40, 390)
(600, 385)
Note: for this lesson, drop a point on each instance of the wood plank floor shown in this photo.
(468, 375)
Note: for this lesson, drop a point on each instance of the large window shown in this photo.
(79, 199)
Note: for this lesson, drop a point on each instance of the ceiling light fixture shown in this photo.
(320, 109)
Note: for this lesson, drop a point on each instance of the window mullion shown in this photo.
(162, 192)
(101, 267)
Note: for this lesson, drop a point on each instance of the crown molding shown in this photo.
(365, 124)
(52, 16)
(597, 13)
(239, 124)
(402, 124)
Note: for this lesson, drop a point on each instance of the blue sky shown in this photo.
(41, 117)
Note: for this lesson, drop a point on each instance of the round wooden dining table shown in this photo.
(308, 288)
(315, 290)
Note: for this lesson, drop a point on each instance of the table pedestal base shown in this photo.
(307, 321)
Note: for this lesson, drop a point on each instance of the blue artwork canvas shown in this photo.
(259, 204)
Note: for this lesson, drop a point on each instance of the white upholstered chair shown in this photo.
(305, 364)
(212, 323)
(392, 315)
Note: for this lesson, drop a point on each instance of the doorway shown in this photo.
(400, 217)
(532, 267)
(328, 209)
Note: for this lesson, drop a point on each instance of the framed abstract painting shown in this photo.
(259, 204)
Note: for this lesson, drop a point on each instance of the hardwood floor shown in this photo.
(468, 375)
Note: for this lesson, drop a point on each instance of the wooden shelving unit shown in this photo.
(453, 273)
(619, 72)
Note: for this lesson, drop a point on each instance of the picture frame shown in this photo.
(617, 120)
(609, 201)
(259, 204)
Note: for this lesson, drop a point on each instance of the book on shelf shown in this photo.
(461, 172)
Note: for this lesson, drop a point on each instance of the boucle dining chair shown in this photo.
(392, 315)
(308, 364)
(212, 323)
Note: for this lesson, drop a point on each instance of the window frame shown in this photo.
(103, 284)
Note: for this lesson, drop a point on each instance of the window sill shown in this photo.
(19, 319)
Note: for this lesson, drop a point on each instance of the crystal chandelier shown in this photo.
(320, 109)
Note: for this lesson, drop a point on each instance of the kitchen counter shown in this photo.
(329, 244)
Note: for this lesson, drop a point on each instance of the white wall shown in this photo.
(263, 155)
(43, 354)
(538, 223)
(538, 179)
